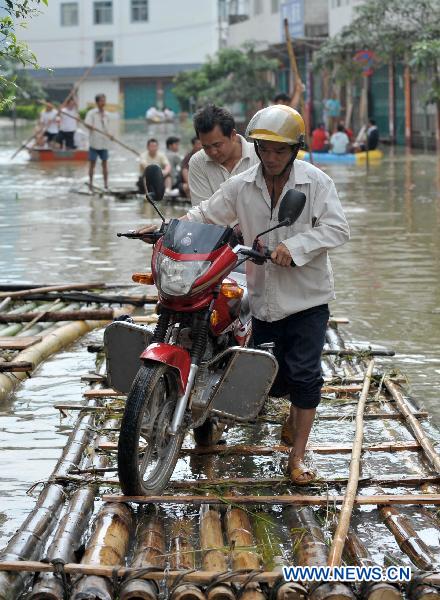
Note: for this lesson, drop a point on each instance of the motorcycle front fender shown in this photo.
(174, 356)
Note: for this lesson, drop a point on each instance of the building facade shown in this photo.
(136, 47)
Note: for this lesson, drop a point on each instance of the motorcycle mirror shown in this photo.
(291, 206)
(154, 186)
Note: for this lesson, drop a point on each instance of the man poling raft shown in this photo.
(289, 305)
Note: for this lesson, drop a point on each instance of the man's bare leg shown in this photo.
(105, 173)
(92, 164)
(303, 423)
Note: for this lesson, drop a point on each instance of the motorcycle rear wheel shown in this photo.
(147, 454)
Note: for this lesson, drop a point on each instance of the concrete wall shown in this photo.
(177, 32)
(264, 28)
(89, 88)
(341, 13)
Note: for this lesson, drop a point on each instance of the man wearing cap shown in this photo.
(289, 305)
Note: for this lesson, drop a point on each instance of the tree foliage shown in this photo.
(13, 51)
(232, 75)
(397, 30)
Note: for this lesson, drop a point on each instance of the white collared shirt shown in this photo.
(205, 175)
(276, 292)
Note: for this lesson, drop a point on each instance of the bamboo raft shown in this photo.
(229, 519)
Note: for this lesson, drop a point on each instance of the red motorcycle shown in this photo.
(196, 367)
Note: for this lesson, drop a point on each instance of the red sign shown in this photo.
(366, 59)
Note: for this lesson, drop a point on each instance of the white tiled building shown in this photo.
(137, 45)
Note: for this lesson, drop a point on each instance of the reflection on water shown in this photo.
(387, 281)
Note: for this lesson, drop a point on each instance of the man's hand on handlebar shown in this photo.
(146, 229)
(281, 256)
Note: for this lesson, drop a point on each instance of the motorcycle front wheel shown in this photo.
(147, 453)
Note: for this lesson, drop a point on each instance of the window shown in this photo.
(69, 14)
(139, 10)
(258, 7)
(103, 52)
(102, 13)
(275, 6)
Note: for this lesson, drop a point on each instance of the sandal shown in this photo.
(300, 473)
(286, 434)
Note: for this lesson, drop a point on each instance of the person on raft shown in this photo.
(289, 305)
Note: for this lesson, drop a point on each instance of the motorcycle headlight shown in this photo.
(175, 278)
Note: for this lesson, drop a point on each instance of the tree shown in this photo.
(233, 75)
(12, 50)
(395, 29)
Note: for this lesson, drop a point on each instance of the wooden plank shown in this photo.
(16, 366)
(298, 499)
(13, 342)
(242, 450)
(102, 393)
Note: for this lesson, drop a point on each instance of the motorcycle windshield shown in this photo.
(187, 237)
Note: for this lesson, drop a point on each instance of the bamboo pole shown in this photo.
(337, 547)
(88, 297)
(298, 94)
(408, 540)
(198, 577)
(241, 541)
(182, 557)
(149, 552)
(203, 484)
(213, 558)
(28, 542)
(309, 549)
(244, 450)
(358, 554)
(414, 426)
(271, 550)
(275, 500)
(104, 314)
(108, 545)
(51, 343)
(101, 131)
(5, 302)
(66, 542)
(52, 288)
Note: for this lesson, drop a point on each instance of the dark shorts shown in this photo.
(50, 136)
(67, 138)
(299, 340)
(94, 153)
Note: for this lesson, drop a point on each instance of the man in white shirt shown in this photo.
(68, 123)
(98, 119)
(224, 152)
(289, 305)
(339, 142)
(49, 123)
(153, 156)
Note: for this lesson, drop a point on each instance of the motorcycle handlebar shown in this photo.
(152, 237)
(260, 257)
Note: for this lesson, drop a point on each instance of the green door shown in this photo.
(379, 101)
(400, 104)
(138, 97)
(169, 99)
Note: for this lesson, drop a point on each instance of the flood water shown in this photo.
(387, 277)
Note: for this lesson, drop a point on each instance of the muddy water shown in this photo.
(387, 277)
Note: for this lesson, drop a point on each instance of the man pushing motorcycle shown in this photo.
(289, 305)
